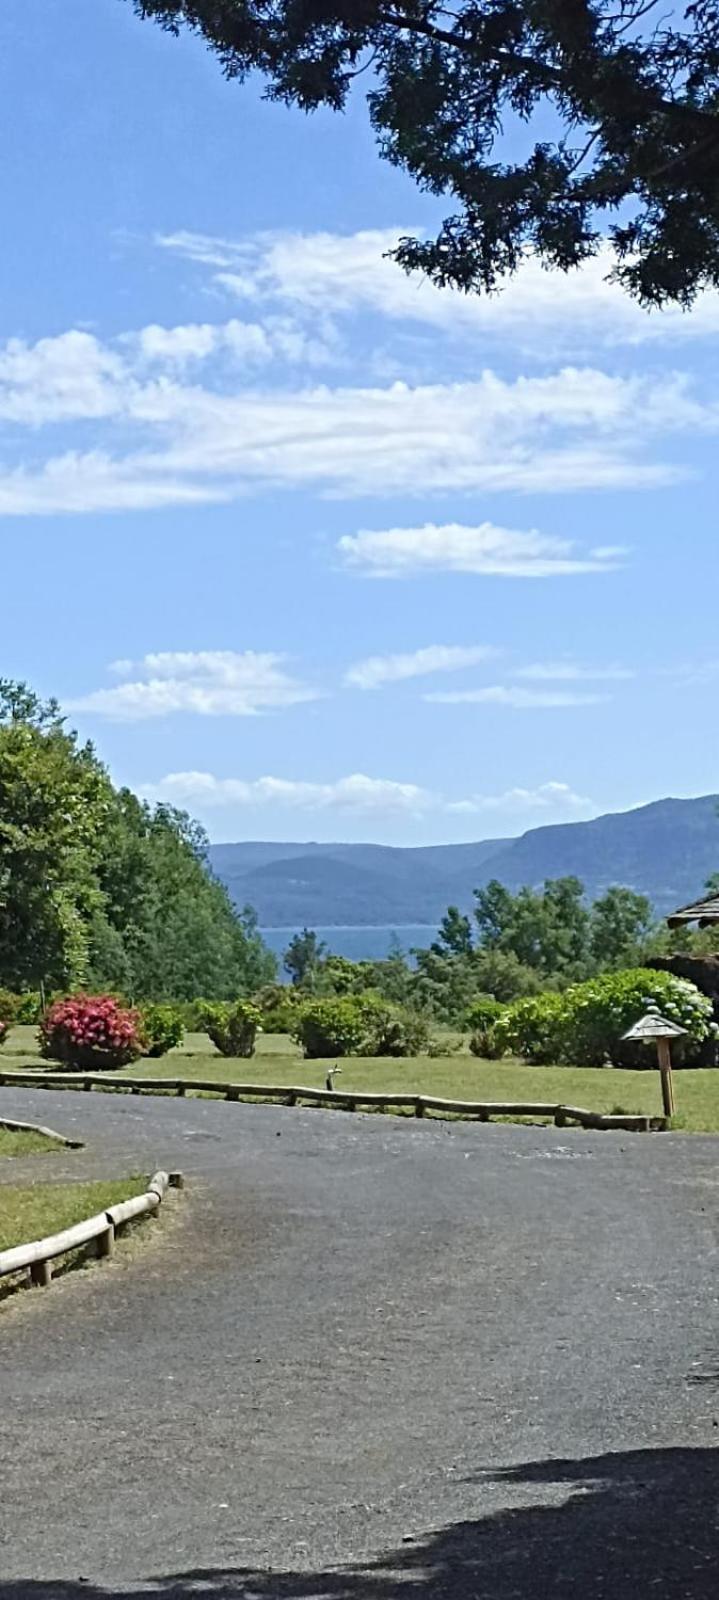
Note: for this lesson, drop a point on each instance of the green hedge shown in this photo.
(358, 1025)
(231, 1025)
(162, 1028)
(584, 1026)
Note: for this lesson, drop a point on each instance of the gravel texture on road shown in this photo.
(363, 1357)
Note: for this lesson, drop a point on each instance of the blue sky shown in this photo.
(310, 548)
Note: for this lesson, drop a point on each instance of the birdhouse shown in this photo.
(655, 1029)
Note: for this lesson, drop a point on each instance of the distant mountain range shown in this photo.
(665, 850)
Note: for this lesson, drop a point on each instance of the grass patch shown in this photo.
(456, 1076)
(25, 1144)
(32, 1211)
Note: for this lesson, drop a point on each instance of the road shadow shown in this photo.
(625, 1526)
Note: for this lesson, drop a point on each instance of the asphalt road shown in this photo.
(364, 1358)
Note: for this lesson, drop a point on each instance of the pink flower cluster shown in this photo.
(74, 1029)
(3, 1029)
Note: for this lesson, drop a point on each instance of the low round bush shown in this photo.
(530, 1028)
(391, 1030)
(232, 1025)
(9, 1006)
(162, 1027)
(278, 1004)
(359, 1025)
(93, 1031)
(333, 1027)
(29, 1007)
(480, 1018)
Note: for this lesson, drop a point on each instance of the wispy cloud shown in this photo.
(377, 670)
(486, 550)
(357, 793)
(514, 698)
(573, 672)
(363, 795)
(208, 683)
(552, 796)
(353, 274)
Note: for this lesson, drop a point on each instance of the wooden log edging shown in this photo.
(348, 1099)
(38, 1255)
(13, 1126)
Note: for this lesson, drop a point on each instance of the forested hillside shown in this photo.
(665, 851)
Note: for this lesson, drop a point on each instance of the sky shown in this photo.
(308, 547)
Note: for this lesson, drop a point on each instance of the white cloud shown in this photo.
(553, 796)
(209, 683)
(515, 698)
(353, 273)
(360, 794)
(354, 793)
(71, 376)
(77, 482)
(487, 550)
(571, 672)
(376, 670)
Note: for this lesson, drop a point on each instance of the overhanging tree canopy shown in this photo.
(628, 89)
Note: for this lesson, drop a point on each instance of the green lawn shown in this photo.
(461, 1077)
(36, 1210)
(25, 1144)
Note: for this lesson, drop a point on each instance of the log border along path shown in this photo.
(344, 1099)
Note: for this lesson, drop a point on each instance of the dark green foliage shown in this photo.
(232, 1027)
(331, 1027)
(584, 1025)
(97, 888)
(618, 97)
(162, 1028)
(481, 1018)
(278, 1004)
(303, 957)
(358, 1025)
(455, 934)
(620, 924)
(9, 1006)
(391, 1030)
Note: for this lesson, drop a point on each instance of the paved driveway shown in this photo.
(370, 1358)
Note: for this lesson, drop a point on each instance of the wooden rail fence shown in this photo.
(38, 1256)
(348, 1099)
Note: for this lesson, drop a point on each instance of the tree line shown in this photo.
(100, 890)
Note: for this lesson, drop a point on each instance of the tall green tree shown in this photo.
(96, 887)
(303, 958)
(455, 934)
(620, 922)
(55, 803)
(618, 97)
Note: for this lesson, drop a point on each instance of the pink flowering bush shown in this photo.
(3, 1029)
(91, 1030)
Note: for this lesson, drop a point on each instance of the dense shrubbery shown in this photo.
(278, 1004)
(358, 1025)
(162, 1028)
(331, 1027)
(584, 1025)
(94, 1031)
(4, 1028)
(232, 1026)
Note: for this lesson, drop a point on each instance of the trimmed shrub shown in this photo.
(530, 1028)
(9, 1007)
(331, 1027)
(480, 1018)
(232, 1025)
(162, 1028)
(29, 1007)
(391, 1030)
(278, 1003)
(583, 1027)
(92, 1031)
(597, 1013)
(358, 1025)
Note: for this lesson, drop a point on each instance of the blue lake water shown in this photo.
(358, 944)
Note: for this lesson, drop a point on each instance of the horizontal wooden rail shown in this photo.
(350, 1099)
(38, 1255)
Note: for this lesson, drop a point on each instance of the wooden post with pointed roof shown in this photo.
(654, 1029)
